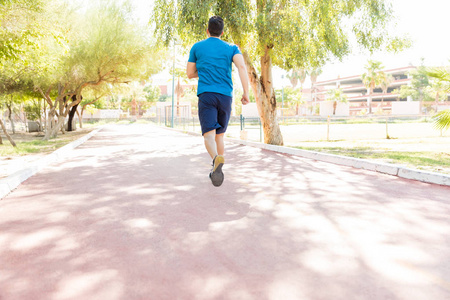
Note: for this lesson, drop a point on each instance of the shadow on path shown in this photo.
(134, 216)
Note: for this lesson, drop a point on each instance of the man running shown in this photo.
(210, 61)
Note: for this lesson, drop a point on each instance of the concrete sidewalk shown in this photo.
(133, 215)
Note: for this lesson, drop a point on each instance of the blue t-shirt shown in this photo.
(213, 58)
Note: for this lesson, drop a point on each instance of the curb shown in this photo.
(8, 184)
(358, 163)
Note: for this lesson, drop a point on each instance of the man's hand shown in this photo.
(245, 99)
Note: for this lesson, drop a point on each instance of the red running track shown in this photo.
(133, 215)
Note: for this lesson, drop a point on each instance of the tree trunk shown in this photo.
(265, 98)
(40, 115)
(334, 107)
(6, 133)
(45, 116)
(72, 113)
(53, 132)
(9, 106)
(80, 118)
(369, 101)
(50, 124)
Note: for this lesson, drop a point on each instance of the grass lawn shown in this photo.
(32, 143)
(426, 160)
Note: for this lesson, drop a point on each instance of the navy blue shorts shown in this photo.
(214, 111)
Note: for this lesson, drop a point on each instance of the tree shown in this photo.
(293, 78)
(18, 27)
(296, 76)
(153, 93)
(107, 48)
(336, 95)
(289, 34)
(292, 96)
(441, 119)
(437, 89)
(386, 81)
(419, 82)
(372, 78)
(418, 89)
(181, 76)
(6, 133)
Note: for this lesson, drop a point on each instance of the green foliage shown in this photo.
(299, 34)
(442, 75)
(385, 81)
(111, 48)
(33, 109)
(419, 81)
(337, 95)
(442, 120)
(152, 93)
(163, 98)
(314, 73)
(421, 87)
(373, 77)
(291, 96)
(296, 76)
(17, 27)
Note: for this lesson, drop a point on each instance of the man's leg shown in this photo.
(219, 144)
(210, 143)
(214, 146)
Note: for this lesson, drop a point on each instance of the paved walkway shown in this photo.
(133, 215)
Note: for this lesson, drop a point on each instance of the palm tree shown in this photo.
(293, 78)
(438, 89)
(372, 79)
(336, 95)
(441, 119)
(302, 77)
(297, 102)
(386, 80)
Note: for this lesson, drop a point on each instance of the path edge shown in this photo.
(358, 163)
(10, 183)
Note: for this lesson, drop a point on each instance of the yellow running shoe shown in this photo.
(216, 174)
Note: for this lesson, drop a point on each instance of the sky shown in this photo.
(426, 22)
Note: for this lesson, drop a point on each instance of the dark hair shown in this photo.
(215, 26)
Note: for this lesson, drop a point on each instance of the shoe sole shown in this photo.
(217, 176)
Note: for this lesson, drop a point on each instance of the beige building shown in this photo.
(357, 93)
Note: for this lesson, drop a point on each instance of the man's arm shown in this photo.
(191, 70)
(238, 60)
